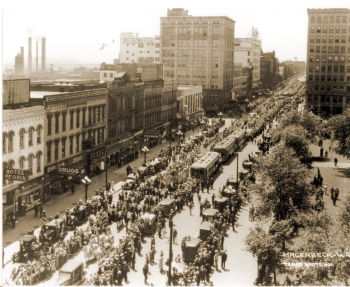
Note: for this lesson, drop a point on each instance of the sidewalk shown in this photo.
(59, 203)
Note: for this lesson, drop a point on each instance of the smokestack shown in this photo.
(36, 59)
(43, 54)
(22, 55)
(29, 55)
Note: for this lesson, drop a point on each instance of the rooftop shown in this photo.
(40, 94)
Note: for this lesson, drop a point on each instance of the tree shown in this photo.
(339, 126)
(284, 188)
(294, 137)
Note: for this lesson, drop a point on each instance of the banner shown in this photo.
(16, 174)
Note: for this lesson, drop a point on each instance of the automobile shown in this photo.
(26, 251)
(220, 202)
(150, 223)
(205, 230)
(53, 231)
(210, 212)
(169, 204)
(190, 248)
(77, 216)
(71, 273)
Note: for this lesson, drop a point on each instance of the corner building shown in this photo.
(328, 61)
(199, 50)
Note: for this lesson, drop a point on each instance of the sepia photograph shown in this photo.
(175, 143)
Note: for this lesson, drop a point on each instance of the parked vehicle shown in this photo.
(28, 247)
(71, 273)
(210, 212)
(150, 225)
(53, 231)
(168, 204)
(220, 203)
(205, 230)
(190, 248)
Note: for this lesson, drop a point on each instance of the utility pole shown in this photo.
(106, 166)
(170, 250)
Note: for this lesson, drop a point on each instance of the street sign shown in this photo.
(71, 171)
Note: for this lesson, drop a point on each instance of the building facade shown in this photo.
(108, 72)
(199, 50)
(292, 68)
(247, 51)
(237, 81)
(132, 48)
(268, 69)
(328, 61)
(22, 150)
(75, 132)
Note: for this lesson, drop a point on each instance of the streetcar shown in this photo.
(206, 166)
(225, 148)
(240, 136)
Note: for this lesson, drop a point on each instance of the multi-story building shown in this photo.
(108, 72)
(237, 81)
(132, 48)
(199, 50)
(190, 106)
(75, 132)
(22, 149)
(292, 68)
(247, 51)
(328, 61)
(268, 69)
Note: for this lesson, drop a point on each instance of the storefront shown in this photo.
(29, 193)
(94, 159)
(58, 182)
(152, 137)
(123, 152)
(8, 202)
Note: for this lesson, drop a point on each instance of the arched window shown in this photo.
(21, 138)
(30, 163)
(4, 166)
(38, 161)
(10, 164)
(38, 134)
(30, 136)
(21, 162)
(4, 143)
(10, 141)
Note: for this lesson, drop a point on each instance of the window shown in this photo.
(336, 39)
(343, 29)
(330, 39)
(335, 69)
(10, 141)
(38, 134)
(341, 69)
(331, 19)
(324, 39)
(329, 68)
(317, 78)
(323, 58)
(342, 59)
(337, 19)
(318, 29)
(312, 49)
(21, 138)
(343, 39)
(48, 155)
(319, 19)
(324, 49)
(49, 124)
(140, 45)
(311, 68)
(330, 49)
(70, 144)
(336, 49)
(323, 68)
(341, 78)
(312, 29)
(325, 29)
(77, 143)
(311, 77)
(4, 138)
(84, 115)
(30, 164)
(336, 59)
(21, 162)
(30, 136)
(331, 29)
(57, 116)
(317, 59)
(38, 161)
(63, 150)
(64, 115)
(311, 59)
(343, 19)
(312, 39)
(348, 69)
(216, 30)
(78, 118)
(325, 19)
(56, 149)
(317, 68)
(71, 119)
(337, 29)
(312, 19)
(317, 49)
(111, 75)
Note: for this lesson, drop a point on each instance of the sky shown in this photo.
(76, 29)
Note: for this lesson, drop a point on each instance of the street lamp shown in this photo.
(179, 134)
(145, 151)
(220, 116)
(86, 181)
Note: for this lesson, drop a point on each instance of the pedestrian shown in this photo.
(13, 221)
(336, 193)
(202, 185)
(174, 236)
(321, 152)
(190, 206)
(213, 199)
(41, 210)
(233, 219)
(145, 272)
(161, 262)
(334, 199)
(216, 257)
(326, 153)
(35, 210)
(335, 161)
(24, 208)
(211, 183)
(223, 259)
(208, 186)
(325, 188)
(73, 188)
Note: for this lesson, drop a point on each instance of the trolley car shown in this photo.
(206, 166)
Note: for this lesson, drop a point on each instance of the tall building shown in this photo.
(199, 50)
(247, 51)
(135, 50)
(268, 69)
(328, 61)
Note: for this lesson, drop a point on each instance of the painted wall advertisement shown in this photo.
(242, 44)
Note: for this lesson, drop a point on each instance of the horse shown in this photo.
(92, 251)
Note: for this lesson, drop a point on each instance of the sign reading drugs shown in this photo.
(242, 44)
(16, 174)
(71, 170)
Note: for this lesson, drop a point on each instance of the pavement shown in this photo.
(240, 265)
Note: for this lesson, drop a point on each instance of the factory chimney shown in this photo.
(43, 54)
(22, 55)
(36, 58)
(29, 55)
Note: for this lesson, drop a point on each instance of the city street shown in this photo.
(240, 263)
